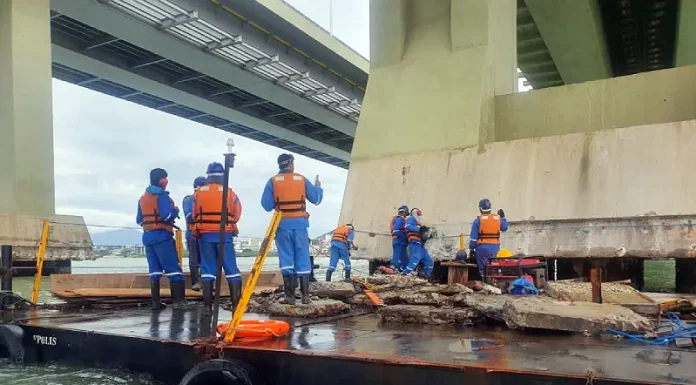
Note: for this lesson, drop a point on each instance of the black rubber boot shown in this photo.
(347, 276)
(289, 283)
(235, 293)
(178, 290)
(304, 289)
(208, 298)
(195, 279)
(157, 304)
(328, 275)
(311, 275)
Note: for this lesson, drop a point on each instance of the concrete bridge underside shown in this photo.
(578, 168)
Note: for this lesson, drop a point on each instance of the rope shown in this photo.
(678, 331)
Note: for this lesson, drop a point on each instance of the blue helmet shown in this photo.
(199, 181)
(485, 204)
(403, 208)
(215, 169)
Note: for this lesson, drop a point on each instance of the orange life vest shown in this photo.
(489, 229)
(341, 234)
(208, 215)
(414, 235)
(151, 217)
(189, 226)
(289, 194)
(391, 227)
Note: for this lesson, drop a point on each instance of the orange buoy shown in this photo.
(258, 329)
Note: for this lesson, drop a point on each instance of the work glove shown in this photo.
(355, 247)
(501, 213)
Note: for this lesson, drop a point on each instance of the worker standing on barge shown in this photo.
(341, 242)
(207, 218)
(288, 192)
(156, 214)
(191, 241)
(484, 240)
(397, 227)
(415, 242)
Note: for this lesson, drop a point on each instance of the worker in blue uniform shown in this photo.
(156, 214)
(207, 218)
(288, 192)
(191, 241)
(419, 254)
(484, 240)
(397, 227)
(341, 242)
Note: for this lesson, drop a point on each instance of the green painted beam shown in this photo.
(572, 31)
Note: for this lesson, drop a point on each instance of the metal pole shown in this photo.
(229, 163)
(6, 265)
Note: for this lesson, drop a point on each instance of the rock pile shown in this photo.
(414, 300)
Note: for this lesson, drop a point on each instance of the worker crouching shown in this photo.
(415, 242)
(484, 240)
(341, 243)
(156, 214)
(288, 192)
(207, 218)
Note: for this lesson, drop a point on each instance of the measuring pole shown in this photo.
(229, 163)
(39, 263)
(253, 276)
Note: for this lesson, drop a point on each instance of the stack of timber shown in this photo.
(131, 288)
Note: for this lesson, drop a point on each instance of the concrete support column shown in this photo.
(26, 126)
(436, 67)
(27, 192)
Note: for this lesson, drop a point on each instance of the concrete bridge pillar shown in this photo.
(27, 194)
(436, 67)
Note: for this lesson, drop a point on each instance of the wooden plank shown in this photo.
(62, 282)
(130, 293)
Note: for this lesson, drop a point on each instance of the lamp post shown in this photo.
(229, 163)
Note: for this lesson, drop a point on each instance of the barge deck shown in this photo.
(344, 350)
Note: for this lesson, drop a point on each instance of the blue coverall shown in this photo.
(484, 252)
(399, 254)
(292, 237)
(209, 242)
(191, 241)
(339, 250)
(418, 252)
(160, 249)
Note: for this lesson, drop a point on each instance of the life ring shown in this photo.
(257, 329)
(11, 347)
(224, 372)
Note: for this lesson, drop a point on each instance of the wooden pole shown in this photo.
(596, 279)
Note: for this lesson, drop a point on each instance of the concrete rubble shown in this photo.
(414, 300)
(430, 315)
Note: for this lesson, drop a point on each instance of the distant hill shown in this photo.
(120, 237)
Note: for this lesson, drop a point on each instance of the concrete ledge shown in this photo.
(68, 238)
(611, 193)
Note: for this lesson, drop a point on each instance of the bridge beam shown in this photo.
(572, 31)
(27, 194)
(165, 45)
